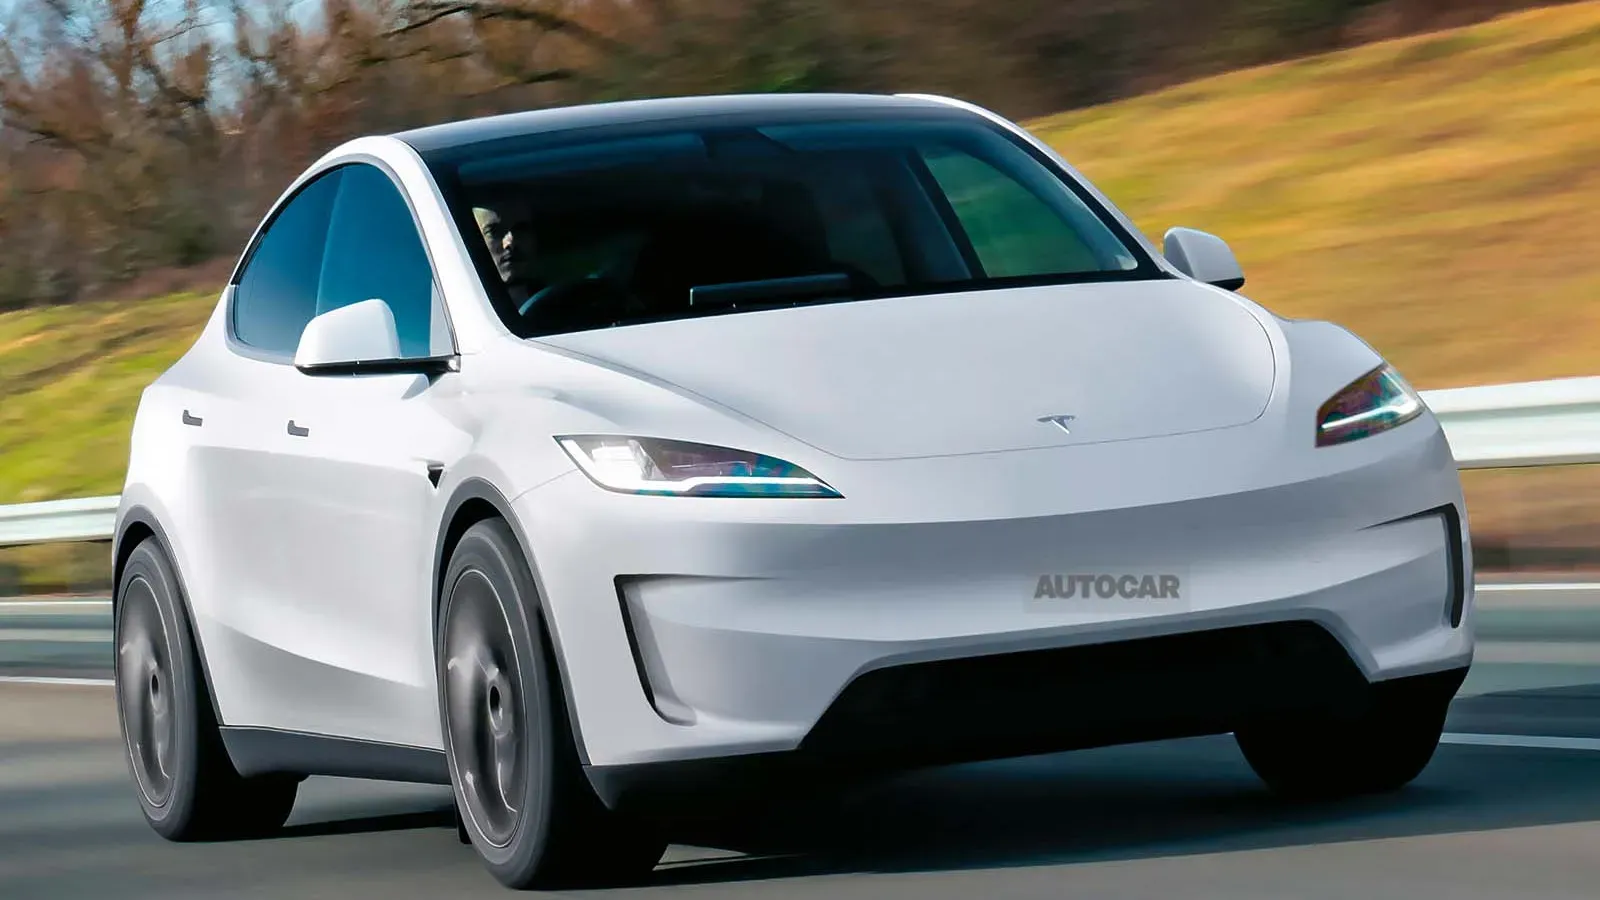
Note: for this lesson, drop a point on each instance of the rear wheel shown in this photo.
(187, 787)
(1382, 748)
(525, 803)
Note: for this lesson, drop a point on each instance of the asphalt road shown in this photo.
(1181, 819)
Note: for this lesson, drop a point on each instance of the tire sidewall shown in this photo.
(489, 549)
(150, 564)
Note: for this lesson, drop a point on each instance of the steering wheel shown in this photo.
(595, 299)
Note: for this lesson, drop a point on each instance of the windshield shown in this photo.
(622, 230)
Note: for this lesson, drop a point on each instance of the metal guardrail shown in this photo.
(1530, 423)
(54, 521)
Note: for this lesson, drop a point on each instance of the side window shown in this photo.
(1014, 232)
(277, 292)
(375, 252)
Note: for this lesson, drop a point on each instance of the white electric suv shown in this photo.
(601, 459)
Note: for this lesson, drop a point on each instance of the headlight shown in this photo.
(1377, 401)
(635, 465)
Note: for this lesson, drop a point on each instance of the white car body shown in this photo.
(303, 515)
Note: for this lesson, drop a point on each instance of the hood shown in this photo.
(972, 372)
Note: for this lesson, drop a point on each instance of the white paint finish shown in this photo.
(1203, 257)
(968, 372)
(307, 558)
(360, 332)
(351, 508)
(239, 568)
(777, 604)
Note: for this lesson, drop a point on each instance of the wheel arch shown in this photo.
(136, 525)
(475, 500)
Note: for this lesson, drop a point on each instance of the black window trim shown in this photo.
(948, 215)
(310, 178)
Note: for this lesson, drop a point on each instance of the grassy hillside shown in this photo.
(1440, 195)
(70, 379)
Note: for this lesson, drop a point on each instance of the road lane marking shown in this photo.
(1522, 741)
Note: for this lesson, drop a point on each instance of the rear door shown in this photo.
(245, 565)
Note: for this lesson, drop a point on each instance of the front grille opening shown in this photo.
(1196, 683)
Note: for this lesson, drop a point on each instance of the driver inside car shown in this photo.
(508, 233)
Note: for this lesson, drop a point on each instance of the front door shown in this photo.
(334, 635)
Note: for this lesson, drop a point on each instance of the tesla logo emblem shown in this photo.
(1058, 421)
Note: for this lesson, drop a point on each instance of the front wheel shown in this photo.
(1380, 749)
(525, 803)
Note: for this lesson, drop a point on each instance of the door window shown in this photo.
(375, 252)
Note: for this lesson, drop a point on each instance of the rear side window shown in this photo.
(375, 252)
(277, 292)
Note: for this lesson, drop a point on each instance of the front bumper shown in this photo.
(692, 628)
(1041, 701)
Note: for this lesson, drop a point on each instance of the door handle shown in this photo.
(297, 430)
(196, 421)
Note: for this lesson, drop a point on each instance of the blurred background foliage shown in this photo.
(142, 135)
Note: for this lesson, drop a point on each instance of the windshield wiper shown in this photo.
(801, 287)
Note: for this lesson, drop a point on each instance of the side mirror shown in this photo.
(1203, 257)
(357, 339)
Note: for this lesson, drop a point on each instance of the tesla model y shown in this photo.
(591, 460)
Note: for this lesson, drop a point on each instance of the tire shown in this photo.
(1380, 749)
(525, 803)
(186, 785)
